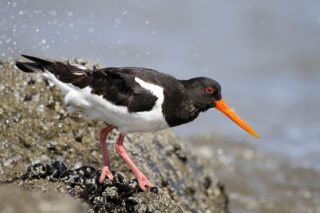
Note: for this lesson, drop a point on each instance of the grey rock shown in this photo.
(16, 199)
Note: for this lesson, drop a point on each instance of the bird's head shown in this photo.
(206, 93)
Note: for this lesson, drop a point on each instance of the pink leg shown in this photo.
(144, 183)
(106, 169)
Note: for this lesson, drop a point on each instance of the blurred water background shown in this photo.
(264, 53)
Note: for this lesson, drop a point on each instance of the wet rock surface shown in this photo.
(41, 146)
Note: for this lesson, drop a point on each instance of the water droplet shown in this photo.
(69, 13)
(53, 13)
(147, 22)
(117, 22)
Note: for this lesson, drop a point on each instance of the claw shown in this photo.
(105, 173)
(144, 183)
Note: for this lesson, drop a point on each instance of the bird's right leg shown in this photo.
(106, 169)
(143, 181)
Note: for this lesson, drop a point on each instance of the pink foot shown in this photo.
(144, 183)
(105, 173)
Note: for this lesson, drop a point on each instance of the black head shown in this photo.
(204, 92)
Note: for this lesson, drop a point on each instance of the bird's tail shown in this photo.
(55, 72)
(37, 64)
(64, 75)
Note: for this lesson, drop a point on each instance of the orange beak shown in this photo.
(223, 107)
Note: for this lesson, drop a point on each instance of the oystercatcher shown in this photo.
(132, 99)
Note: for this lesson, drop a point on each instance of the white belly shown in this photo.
(97, 108)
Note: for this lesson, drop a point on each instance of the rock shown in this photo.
(36, 131)
(46, 200)
(111, 196)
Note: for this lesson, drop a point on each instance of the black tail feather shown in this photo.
(29, 66)
(37, 64)
(37, 60)
(64, 72)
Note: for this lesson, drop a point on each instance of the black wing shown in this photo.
(117, 85)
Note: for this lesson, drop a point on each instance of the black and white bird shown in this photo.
(132, 99)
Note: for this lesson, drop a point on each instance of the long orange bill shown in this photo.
(223, 107)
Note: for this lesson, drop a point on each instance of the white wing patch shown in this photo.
(79, 66)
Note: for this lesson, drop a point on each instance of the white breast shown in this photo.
(97, 108)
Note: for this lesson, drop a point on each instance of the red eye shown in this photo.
(209, 90)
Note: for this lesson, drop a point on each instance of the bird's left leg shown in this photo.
(143, 181)
(106, 169)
